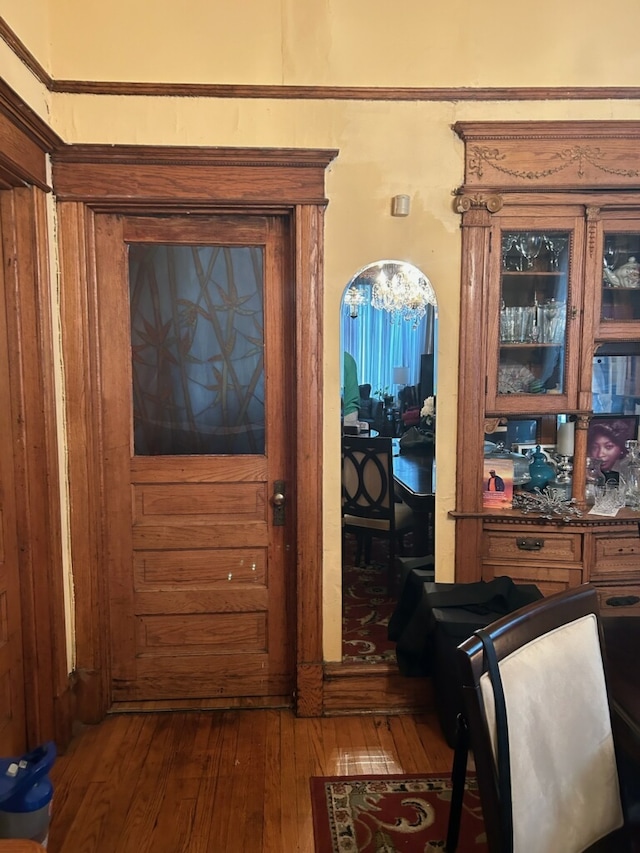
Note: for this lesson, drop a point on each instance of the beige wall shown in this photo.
(345, 42)
(29, 21)
(385, 148)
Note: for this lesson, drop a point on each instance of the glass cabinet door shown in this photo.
(534, 305)
(620, 279)
(616, 378)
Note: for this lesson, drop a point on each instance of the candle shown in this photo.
(564, 444)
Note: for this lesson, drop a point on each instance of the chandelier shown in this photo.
(353, 299)
(405, 294)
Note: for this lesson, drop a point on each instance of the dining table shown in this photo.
(414, 474)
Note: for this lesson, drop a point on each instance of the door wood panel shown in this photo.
(195, 567)
(225, 501)
(200, 579)
(12, 687)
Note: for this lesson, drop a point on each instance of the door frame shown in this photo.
(90, 179)
(25, 142)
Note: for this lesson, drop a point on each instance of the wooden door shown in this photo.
(194, 330)
(12, 688)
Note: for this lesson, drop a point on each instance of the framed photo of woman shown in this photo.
(607, 441)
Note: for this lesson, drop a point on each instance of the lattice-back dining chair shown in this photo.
(369, 506)
(537, 719)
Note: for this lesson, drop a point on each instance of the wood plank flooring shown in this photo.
(220, 781)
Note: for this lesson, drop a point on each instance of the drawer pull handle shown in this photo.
(530, 544)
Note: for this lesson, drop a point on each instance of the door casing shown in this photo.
(125, 179)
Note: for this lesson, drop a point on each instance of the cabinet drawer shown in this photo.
(534, 547)
(620, 593)
(616, 554)
(548, 579)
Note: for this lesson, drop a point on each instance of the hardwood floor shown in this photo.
(227, 781)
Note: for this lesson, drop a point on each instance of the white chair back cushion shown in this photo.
(565, 791)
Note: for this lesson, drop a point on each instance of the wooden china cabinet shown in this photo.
(550, 334)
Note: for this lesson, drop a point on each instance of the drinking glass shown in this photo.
(529, 246)
(555, 245)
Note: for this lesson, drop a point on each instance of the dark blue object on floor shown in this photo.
(26, 794)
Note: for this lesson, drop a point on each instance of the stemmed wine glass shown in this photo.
(611, 255)
(529, 246)
(510, 260)
(555, 246)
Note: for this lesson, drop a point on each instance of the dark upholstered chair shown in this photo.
(548, 777)
(410, 406)
(370, 410)
(369, 506)
(408, 398)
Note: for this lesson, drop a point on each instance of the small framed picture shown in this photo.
(607, 439)
(528, 449)
(497, 484)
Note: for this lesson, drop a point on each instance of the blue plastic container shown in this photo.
(26, 794)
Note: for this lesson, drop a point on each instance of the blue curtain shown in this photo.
(378, 345)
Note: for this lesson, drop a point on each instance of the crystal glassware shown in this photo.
(595, 481)
(529, 246)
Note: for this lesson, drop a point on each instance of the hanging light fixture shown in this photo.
(353, 299)
(404, 292)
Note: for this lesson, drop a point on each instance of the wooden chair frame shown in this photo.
(369, 502)
(507, 635)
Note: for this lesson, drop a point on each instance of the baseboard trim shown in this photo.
(378, 688)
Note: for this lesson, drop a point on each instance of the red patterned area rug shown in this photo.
(366, 606)
(392, 814)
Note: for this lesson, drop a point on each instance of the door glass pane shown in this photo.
(197, 349)
(621, 277)
(616, 379)
(533, 312)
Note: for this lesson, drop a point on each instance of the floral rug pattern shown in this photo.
(394, 814)
(366, 608)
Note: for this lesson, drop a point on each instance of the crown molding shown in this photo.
(164, 155)
(344, 93)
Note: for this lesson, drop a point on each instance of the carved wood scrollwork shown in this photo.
(582, 421)
(577, 156)
(592, 215)
(492, 203)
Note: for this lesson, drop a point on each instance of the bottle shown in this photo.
(595, 481)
